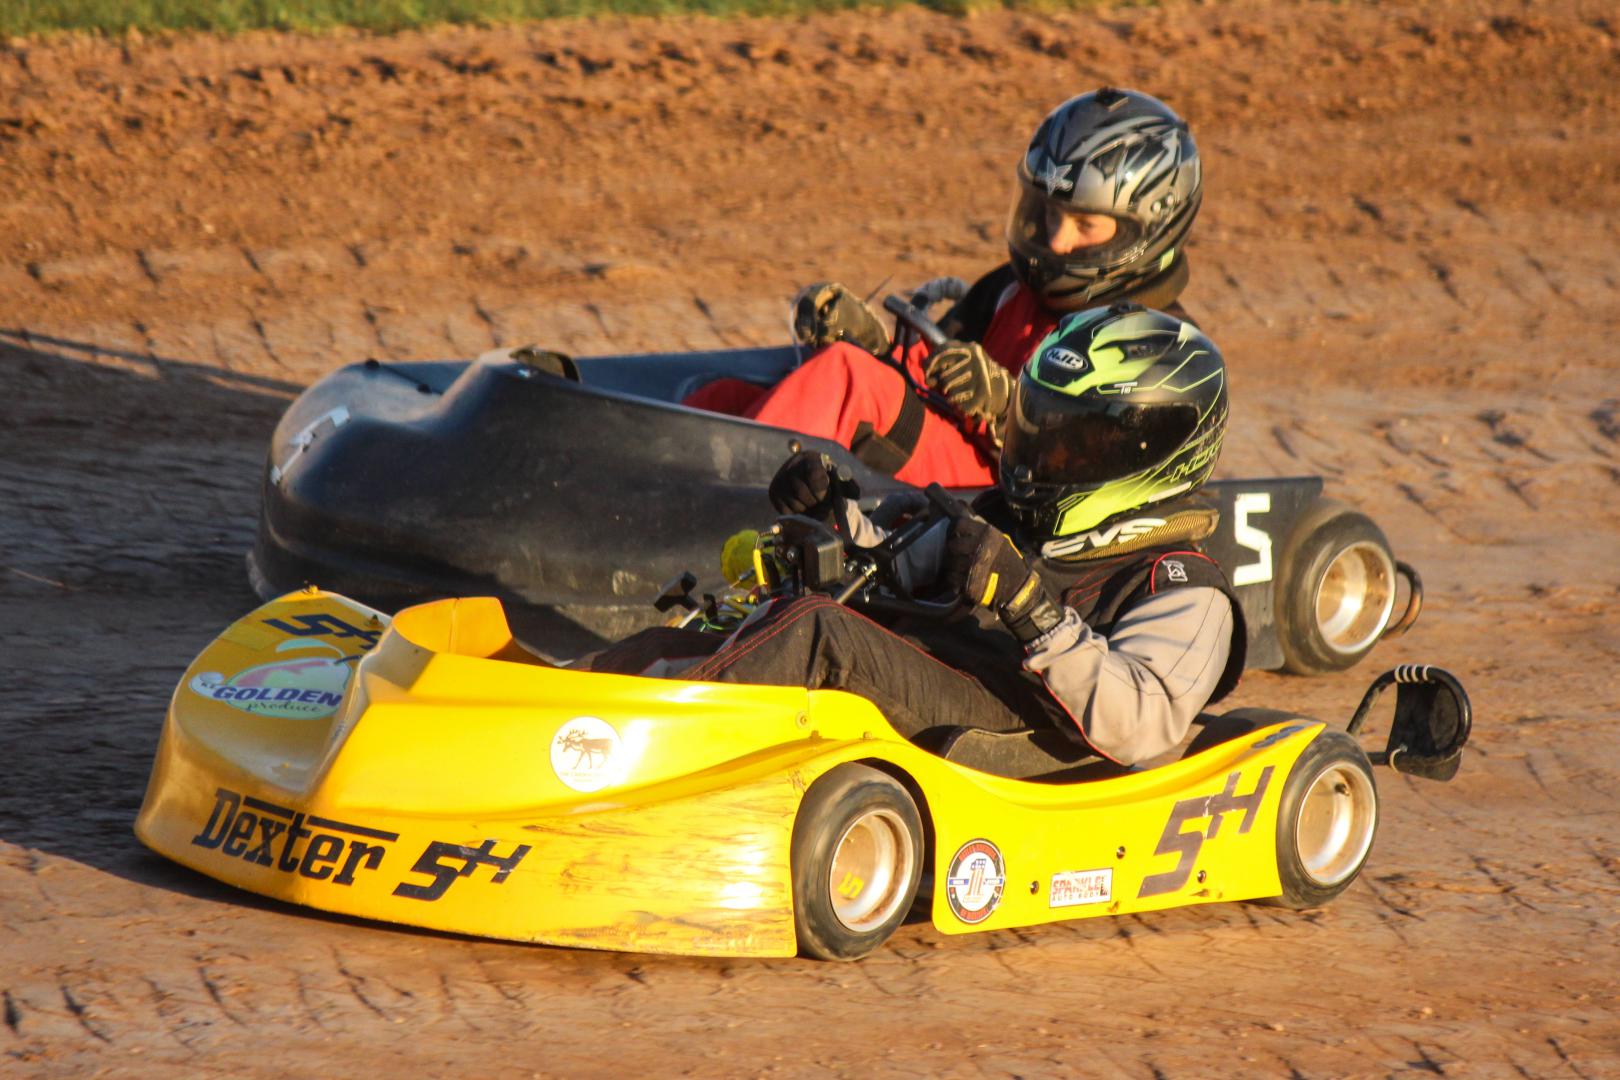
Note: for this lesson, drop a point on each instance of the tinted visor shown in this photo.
(1073, 442)
(1048, 228)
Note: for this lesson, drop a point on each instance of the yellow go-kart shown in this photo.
(431, 770)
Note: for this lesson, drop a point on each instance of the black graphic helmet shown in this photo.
(1119, 409)
(1116, 153)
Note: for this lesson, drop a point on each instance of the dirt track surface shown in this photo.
(1408, 252)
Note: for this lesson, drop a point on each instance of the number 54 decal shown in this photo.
(1188, 844)
(438, 861)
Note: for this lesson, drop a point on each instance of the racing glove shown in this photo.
(806, 484)
(984, 567)
(970, 380)
(827, 312)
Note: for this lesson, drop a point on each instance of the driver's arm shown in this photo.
(1134, 693)
(918, 566)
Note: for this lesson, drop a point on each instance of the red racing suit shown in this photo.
(846, 394)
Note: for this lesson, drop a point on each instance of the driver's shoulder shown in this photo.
(970, 317)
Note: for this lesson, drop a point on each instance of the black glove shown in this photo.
(827, 312)
(807, 484)
(984, 567)
(970, 380)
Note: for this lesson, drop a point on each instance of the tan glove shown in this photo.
(827, 312)
(965, 375)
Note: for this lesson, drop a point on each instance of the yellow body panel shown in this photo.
(446, 779)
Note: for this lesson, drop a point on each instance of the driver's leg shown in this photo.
(843, 387)
(830, 394)
(822, 645)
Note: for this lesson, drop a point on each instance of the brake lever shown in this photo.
(844, 491)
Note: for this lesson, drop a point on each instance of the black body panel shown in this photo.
(395, 483)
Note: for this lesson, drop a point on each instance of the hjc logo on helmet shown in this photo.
(1067, 361)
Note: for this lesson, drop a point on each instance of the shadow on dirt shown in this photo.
(130, 488)
(61, 383)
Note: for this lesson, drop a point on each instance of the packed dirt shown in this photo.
(1408, 252)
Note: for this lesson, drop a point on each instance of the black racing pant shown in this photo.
(821, 645)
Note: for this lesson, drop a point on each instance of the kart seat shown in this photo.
(1048, 755)
(1044, 754)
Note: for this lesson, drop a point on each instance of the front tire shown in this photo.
(1336, 590)
(857, 861)
(1325, 822)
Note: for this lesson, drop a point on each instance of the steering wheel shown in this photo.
(940, 505)
(916, 319)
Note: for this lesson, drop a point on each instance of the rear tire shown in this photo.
(1336, 590)
(857, 861)
(1326, 821)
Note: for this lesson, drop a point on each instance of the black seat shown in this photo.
(1049, 756)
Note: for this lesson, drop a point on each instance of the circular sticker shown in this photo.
(587, 754)
(974, 882)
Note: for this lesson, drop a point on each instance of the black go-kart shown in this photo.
(574, 489)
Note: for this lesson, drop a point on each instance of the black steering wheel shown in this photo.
(916, 319)
(936, 505)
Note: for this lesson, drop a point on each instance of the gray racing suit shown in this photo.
(1131, 679)
(1146, 639)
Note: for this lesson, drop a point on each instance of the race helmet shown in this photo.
(1116, 153)
(1118, 409)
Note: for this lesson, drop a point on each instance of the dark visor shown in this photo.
(1063, 440)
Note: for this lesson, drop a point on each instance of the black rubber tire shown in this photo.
(1327, 530)
(846, 795)
(1330, 786)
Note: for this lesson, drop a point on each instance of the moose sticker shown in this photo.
(308, 685)
(587, 754)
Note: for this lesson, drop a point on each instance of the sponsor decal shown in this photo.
(305, 687)
(587, 754)
(324, 849)
(974, 881)
(324, 424)
(1066, 361)
(1117, 533)
(1075, 887)
(289, 841)
(1176, 571)
(1173, 841)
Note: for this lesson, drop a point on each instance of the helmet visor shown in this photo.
(1055, 439)
(1049, 228)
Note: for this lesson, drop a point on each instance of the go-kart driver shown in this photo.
(1113, 627)
(1105, 196)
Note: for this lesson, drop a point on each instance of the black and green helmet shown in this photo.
(1118, 409)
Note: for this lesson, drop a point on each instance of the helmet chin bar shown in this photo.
(1066, 288)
